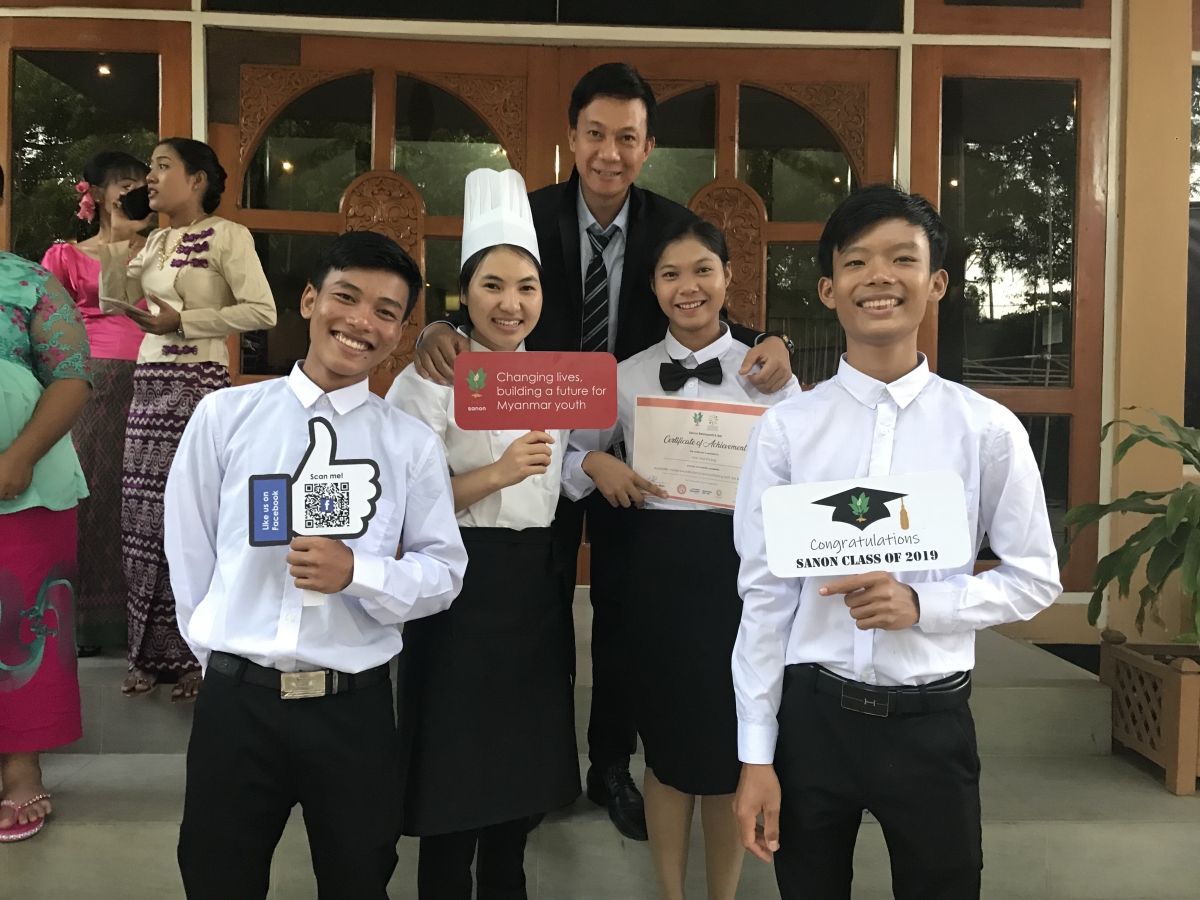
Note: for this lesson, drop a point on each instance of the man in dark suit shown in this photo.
(596, 233)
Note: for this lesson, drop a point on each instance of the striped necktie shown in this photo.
(595, 293)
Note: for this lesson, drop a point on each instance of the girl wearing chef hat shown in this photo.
(486, 697)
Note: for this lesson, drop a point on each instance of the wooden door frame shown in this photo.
(1090, 69)
(171, 41)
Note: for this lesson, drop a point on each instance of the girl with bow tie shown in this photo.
(680, 603)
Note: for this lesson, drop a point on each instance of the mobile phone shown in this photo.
(136, 204)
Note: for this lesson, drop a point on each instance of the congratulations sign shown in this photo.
(534, 391)
(890, 523)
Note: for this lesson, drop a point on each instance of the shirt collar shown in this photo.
(587, 220)
(869, 391)
(342, 400)
(715, 350)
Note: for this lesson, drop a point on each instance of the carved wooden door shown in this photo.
(380, 134)
(764, 144)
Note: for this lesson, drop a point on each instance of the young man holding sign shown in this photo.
(285, 506)
(852, 688)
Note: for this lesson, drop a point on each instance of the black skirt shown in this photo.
(486, 702)
(681, 612)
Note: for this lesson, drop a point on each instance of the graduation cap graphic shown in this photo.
(862, 507)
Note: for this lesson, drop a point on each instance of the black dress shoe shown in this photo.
(613, 787)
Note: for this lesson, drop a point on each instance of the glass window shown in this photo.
(439, 139)
(287, 260)
(790, 158)
(794, 307)
(1009, 158)
(318, 145)
(685, 155)
(844, 15)
(66, 106)
(441, 277)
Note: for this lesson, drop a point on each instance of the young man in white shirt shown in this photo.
(295, 638)
(852, 692)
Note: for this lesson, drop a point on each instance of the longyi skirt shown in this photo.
(680, 612)
(164, 397)
(39, 681)
(99, 437)
(486, 710)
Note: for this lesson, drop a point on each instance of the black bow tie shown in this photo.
(673, 375)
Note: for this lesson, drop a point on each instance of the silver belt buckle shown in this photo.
(860, 700)
(301, 685)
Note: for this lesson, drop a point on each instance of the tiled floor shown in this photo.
(1070, 823)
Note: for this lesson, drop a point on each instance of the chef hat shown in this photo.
(496, 211)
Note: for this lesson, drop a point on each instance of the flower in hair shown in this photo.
(87, 206)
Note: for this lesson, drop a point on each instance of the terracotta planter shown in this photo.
(1156, 704)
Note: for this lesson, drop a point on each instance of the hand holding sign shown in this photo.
(326, 497)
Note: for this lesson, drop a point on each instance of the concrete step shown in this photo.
(1100, 828)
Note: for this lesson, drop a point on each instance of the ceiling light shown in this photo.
(103, 69)
(287, 166)
(837, 179)
(953, 182)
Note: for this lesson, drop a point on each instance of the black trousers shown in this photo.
(918, 775)
(253, 756)
(612, 735)
(444, 863)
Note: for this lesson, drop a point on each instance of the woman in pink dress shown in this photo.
(100, 432)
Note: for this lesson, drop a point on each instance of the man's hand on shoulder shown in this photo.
(772, 354)
(434, 356)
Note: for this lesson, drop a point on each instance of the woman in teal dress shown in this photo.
(44, 384)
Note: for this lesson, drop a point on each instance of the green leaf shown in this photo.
(1139, 433)
(1094, 606)
(1190, 566)
(1167, 556)
(1188, 638)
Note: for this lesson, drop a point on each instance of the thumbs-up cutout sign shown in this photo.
(332, 497)
(326, 497)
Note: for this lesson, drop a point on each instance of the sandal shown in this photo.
(188, 681)
(139, 683)
(17, 831)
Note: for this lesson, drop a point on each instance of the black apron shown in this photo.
(486, 700)
(681, 611)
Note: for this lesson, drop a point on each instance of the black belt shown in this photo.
(296, 685)
(874, 700)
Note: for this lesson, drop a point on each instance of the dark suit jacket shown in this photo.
(640, 321)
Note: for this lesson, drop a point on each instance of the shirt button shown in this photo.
(290, 617)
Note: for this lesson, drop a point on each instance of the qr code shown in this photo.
(326, 505)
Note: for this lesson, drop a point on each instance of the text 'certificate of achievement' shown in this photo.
(888, 523)
(693, 449)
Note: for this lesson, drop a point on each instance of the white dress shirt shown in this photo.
(240, 599)
(638, 377)
(854, 426)
(614, 257)
(528, 504)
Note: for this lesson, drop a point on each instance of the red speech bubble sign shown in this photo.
(534, 391)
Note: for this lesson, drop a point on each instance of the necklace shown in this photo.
(164, 254)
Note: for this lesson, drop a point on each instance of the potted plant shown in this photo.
(1155, 687)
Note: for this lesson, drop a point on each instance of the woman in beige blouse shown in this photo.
(202, 281)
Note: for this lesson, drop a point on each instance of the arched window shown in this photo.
(313, 149)
(685, 154)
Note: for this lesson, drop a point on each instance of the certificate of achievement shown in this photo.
(888, 523)
(693, 449)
